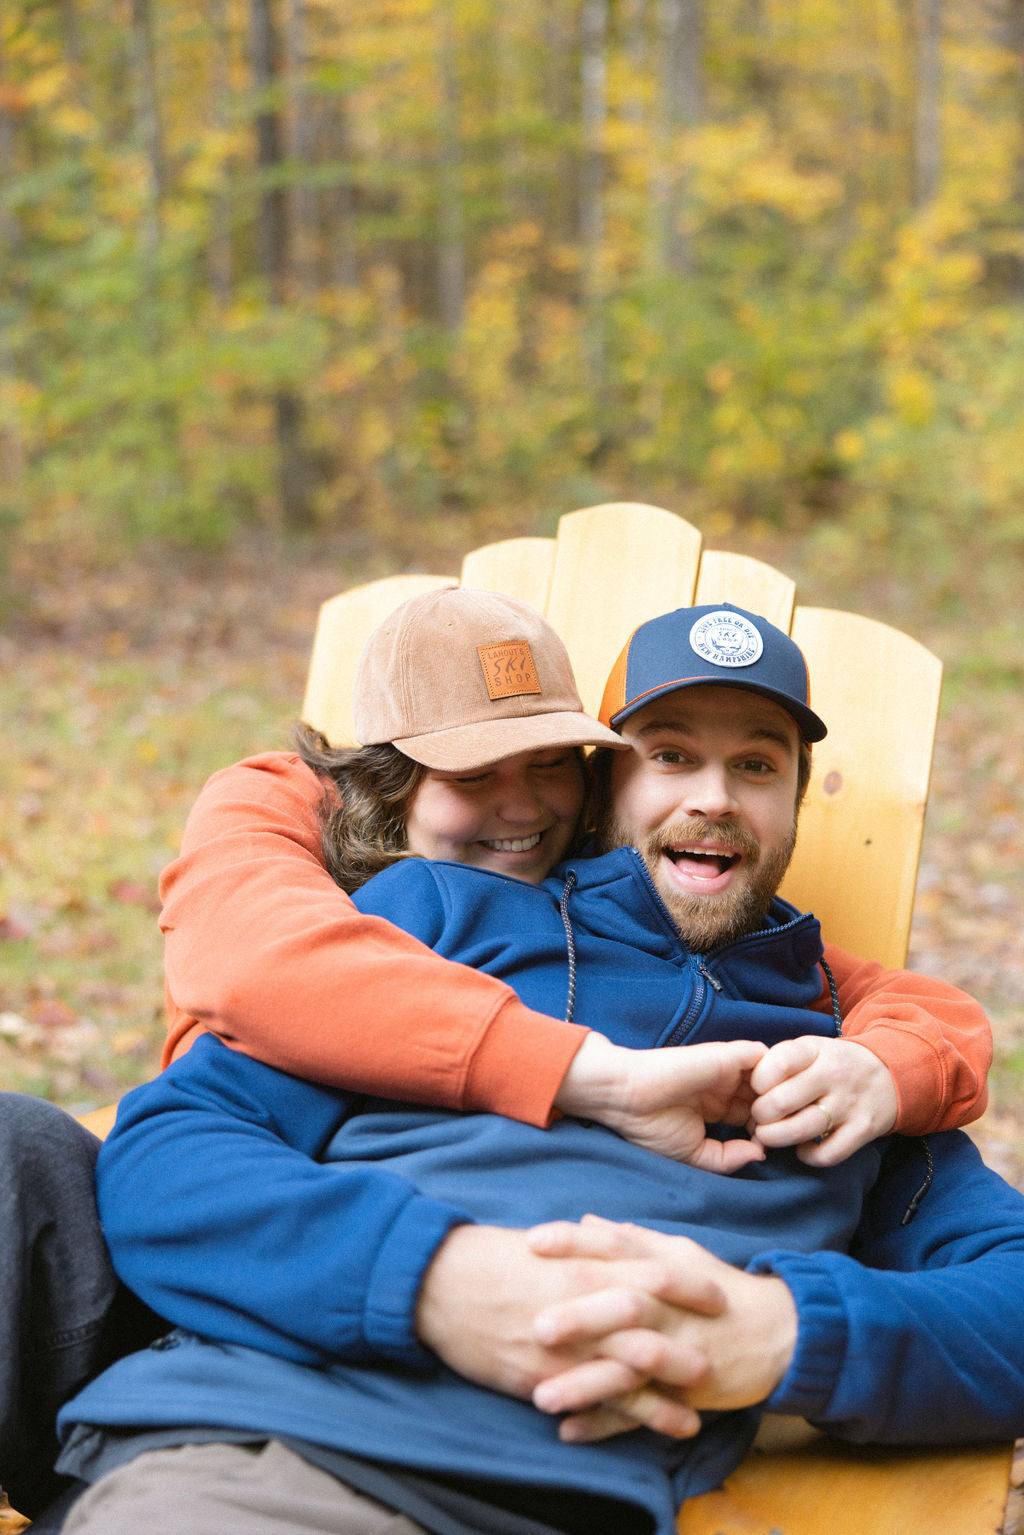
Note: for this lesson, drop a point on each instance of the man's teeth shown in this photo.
(514, 844)
(724, 860)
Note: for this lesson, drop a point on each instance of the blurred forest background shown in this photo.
(304, 263)
(296, 292)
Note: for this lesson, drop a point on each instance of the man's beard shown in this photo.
(710, 921)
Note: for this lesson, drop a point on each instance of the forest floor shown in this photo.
(123, 688)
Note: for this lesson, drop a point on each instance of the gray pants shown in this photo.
(63, 1314)
(228, 1489)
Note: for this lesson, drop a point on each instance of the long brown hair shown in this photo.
(362, 819)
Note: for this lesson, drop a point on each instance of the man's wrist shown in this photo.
(819, 1356)
(433, 1309)
(477, 1303)
(778, 1326)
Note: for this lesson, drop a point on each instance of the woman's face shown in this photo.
(516, 816)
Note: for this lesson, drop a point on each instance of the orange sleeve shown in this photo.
(935, 1040)
(264, 950)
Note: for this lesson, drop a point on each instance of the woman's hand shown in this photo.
(664, 1099)
(828, 1097)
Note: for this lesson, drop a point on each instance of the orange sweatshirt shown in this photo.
(263, 949)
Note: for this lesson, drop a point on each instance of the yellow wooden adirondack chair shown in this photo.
(609, 569)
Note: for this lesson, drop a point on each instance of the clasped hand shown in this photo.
(614, 1326)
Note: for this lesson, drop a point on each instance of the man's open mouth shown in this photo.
(701, 859)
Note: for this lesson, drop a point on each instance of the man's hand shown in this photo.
(664, 1099)
(485, 1287)
(827, 1096)
(727, 1354)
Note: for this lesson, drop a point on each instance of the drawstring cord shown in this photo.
(833, 991)
(911, 1210)
(913, 1206)
(570, 943)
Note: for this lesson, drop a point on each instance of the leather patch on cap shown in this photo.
(508, 668)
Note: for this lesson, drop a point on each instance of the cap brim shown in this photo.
(810, 726)
(466, 747)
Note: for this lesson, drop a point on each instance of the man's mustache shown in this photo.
(735, 839)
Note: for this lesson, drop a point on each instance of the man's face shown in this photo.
(708, 794)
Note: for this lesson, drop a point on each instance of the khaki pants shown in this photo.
(228, 1489)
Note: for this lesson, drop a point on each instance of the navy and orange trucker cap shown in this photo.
(721, 645)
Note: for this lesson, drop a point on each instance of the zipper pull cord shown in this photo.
(712, 980)
(570, 943)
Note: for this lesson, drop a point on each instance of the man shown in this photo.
(323, 1240)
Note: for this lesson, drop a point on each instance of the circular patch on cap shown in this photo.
(726, 639)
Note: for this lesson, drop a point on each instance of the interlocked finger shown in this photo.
(597, 1314)
(594, 1383)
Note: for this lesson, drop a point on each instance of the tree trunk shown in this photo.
(273, 213)
(593, 115)
(219, 260)
(148, 124)
(293, 467)
(513, 167)
(72, 34)
(680, 106)
(305, 234)
(340, 233)
(151, 319)
(1015, 42)
(636, 50)
(12, 456)
(451, 217)
(927, 100)
(557, 69)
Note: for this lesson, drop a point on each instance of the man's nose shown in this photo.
(708, 793)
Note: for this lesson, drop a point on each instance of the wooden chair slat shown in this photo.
(100, 1121)
(861, 825)
(616, 566)
(343, 626)
(746, 583)
(519, 567)
(840, 1488)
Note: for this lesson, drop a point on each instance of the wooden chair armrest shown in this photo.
(824, 1486)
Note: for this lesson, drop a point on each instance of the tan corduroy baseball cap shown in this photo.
(457, 678)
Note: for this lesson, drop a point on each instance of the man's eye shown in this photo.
(757, 767)
(556, 762)
(668, 756)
